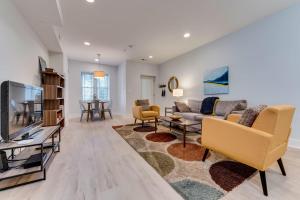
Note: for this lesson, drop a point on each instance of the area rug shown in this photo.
(182, 167)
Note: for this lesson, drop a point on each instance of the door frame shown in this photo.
(141, 88)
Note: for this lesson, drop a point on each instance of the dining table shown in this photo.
(90, 103)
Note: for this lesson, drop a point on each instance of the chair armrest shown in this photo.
(137, 112)
(234, 117)
(155, 108)
(244, 144)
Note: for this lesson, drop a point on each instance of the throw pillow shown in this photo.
(208, 104)
(250, 115)
(231, 109)
(144, 103)
(182, 107)
(215, 106)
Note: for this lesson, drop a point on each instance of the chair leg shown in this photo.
(263, 182)
(110, 114)
(205, 155)
(143, 123)
(81, 116)
(279, 161)
(135, 121)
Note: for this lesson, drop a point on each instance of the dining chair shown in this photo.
(83, 109)
(107, 108)
(96, 109)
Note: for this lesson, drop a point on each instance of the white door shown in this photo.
(148, 88)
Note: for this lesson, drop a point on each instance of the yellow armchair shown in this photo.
(258, 146)
(139, 114)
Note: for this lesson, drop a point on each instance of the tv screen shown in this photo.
(21, 109)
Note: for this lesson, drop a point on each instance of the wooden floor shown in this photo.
(96, 163)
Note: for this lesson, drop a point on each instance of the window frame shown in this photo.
(95, 89)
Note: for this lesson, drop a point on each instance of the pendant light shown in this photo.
(98, 74)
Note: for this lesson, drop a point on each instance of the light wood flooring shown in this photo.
(95, 163)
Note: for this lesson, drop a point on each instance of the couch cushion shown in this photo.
(182, 107)
(195, 105)
(200, 116)
(250, 115)
(187, 115)
(224, 108)
(149, 114)
(144, 103)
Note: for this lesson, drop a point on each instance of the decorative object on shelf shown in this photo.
(42, 67)
(163, 91)
(42, 64)
(217, 81)
(173, 83)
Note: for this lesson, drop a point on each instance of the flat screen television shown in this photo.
(21, 109)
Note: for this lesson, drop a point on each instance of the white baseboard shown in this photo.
(294, 143)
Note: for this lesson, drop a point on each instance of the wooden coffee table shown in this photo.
(184, 123)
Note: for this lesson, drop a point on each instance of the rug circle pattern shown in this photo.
(161, 137)
(229, 174)
(191, 152)
(161, 162)
(144, 129)
(137, 143)
(193, 190)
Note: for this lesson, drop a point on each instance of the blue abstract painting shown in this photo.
(217, 81)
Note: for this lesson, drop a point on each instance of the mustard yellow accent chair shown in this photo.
(145, 115)
(258, 146)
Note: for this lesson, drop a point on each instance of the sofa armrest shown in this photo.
(137, 112)
(244, 144)
(234, 117)
(155, 108)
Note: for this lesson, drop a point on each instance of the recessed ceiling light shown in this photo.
(187, 35)
(87, 43)
(150, 57)
(96, 59)
(90, 1)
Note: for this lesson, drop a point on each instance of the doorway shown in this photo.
(147, 88)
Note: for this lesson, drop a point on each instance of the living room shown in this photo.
(149, 100)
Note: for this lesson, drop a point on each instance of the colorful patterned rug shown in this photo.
(182, 167)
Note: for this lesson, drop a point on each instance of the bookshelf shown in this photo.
(53, 84)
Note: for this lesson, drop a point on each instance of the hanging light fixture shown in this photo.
(98, 74)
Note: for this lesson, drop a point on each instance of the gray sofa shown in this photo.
(222, 109)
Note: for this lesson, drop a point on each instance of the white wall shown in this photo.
(19, 47)
(264, 64)
(134, 71)
(122, 87)
(74, 81)
(56, 61)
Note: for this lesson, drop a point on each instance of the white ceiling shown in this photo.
(43, 16)
(154, 27)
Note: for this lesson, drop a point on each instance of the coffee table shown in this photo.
(184, 123)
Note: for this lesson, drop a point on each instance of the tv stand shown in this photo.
(17, 175)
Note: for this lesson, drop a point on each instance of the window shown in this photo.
(94, 87)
